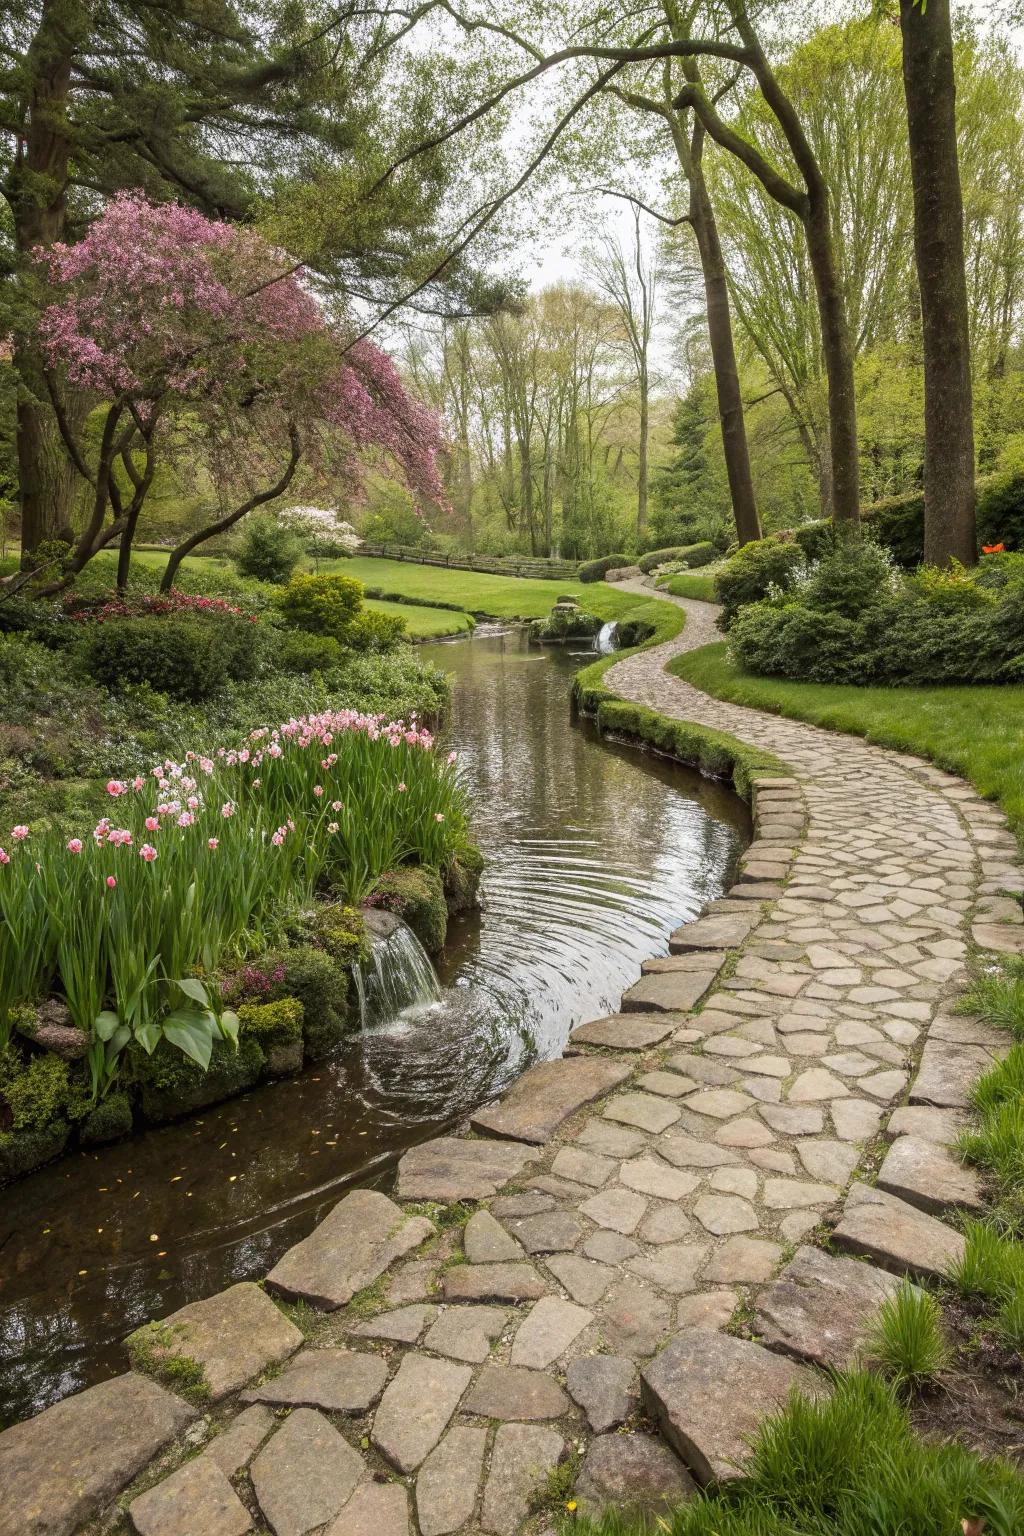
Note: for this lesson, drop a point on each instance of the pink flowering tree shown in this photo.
(198, 338)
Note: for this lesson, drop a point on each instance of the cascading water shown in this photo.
(399, 978)
(604, 640)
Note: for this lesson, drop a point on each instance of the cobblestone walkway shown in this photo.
(638, 1213)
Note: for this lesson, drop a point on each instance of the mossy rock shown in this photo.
(277, 1028)
(462, 880)
(39, 1093)
(153, 1350)
(417, 896)
(323, 987)
(566, 623)
(110, 1120)
(23, 1152)
(170, 1084)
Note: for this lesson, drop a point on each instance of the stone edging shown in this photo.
(622, 1203)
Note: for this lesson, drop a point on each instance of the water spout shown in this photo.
(604, 640)
(399, 978)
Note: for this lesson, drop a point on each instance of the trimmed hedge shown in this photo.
(692, 555)
(595, 570)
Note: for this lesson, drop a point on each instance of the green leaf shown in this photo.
(106, 1023)
(192, 1033)
(228, 1022)
(194, 989)
(148, 1036)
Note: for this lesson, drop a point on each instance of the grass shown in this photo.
(424, 623)
(972, 731)
(907, 1342)
(847, 1465)
(699, 584)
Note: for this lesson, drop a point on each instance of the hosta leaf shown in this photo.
(106, 1023)
(192, 1033)
(194, 989)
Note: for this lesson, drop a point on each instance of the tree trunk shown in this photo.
(930, 85)
(642, 472)
(723, 355)
(837, 347)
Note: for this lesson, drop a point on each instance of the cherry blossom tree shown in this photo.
(197, 338)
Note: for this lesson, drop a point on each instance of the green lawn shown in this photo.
(425, 623)
(975, 731)
(699, 584)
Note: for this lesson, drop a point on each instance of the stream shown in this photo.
(595, 852)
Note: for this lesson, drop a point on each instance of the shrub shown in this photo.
(567, 624)
(297, 651)
(417, 897)
(594, 570)
(315, 979)
(184, 657)
(108, 1121)
(38, 1093)
(898, 524)
(752, 570)
(267, 549)
(848, 578)
(322, 604)
(373, 631)
(815, 539)
(689, 555)
(1000, 511)
(271, 1023)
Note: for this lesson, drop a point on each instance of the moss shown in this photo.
(22, 1152)
(314, 979)
(714, 753)
(273, 1023)
(342, 933)
(416, 895)
(566, 624)
(462, 880)
(154, 1350)
(108, 1121)
(171, 1085)
(38, 1093)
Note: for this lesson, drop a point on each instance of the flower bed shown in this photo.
(138, 930)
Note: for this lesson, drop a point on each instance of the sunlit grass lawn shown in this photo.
(975, 731)
(424, 623)
(699, 584)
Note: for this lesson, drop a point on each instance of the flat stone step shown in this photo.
(198, 1498)
(547, 1094)
(305, 1474)
(447, 1485)
(336, 1380)
(947, 1073)
(896, 1235)
(510, 1392)
(60, 1468)
(927, 1123)
(712, 933)
(354, 1244)
(521, 1459)
(450, 1168)
(671, 965)
(234, 1336)
(820, 1309)
(631, 1472)
(676, 993)
(493, 1282)
(417, 1408)
(929, 1176)
(756, 890)
(627, 1031)
(709, 1392)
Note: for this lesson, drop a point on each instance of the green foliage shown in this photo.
(39, 1093)
(752, 571)
(322, 603)
(696, 584)
(998, 997)
(273, 1023)
(317, 980)
(992, 1266)
(567, 624)
(898, 525)
(109, 1120)
(297, 651)
(183, 656)
(417, 897)
(374, 631)
(462, 880)
(170, 1084)
(155, 1350)
(596, 570)
(268, 550)
(714, 753)
(690, 555)
(1000, 511)
(907, 1342)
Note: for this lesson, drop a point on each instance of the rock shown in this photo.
(355, 1243)
(551, 1232)
(672, 1267)
(1004, 938)
(375, 1509)
(336, 1380)
(710, 1391)
(896, 1235)
(856, 1119)
(416, 1409)
(664, 1224)
(948, 1072)
(634, 1473)
(493, 1282)
(720, 1103)
(634, 1319)
(624, 1031)
(240, 1439)
(796, 1194)
(304, 1474)
(735, 1181)
(619, 1209)
(522, 1457)
(672, 965)
(486, 1242)
(402, 1326)
(447, 1484)
(650, 1176)
(821, 1309)
(690, 1152)
(795, 1119)
(521, 1205)
(746, 1132)
(721, 1214)
(512, 1392)
(412, 1282)
(609, 1247)
(450, 1169)
(233, 1336)
(585, 1281)
(930, 1177)
(672, 992)
(671, 1085)
(612, 1140)
(547, 1094)
(712, 933)
(547, 1332)
(815, 1084)
(831, 1161)
(59, 1468)
(583, 1167)
(466, 1333)
(62, 1040)
(927, 1123)
(603, 1387)
(707, 1309)
(644, 1110)
(197, 1498)
(743, 1260)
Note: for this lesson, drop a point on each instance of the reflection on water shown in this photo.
(594, 853)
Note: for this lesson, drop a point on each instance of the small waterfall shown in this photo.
(399, 978)
(604, 640)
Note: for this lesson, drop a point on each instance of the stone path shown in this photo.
(667, 1230)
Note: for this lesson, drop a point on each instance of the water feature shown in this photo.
(400, 979)
(594, 853)
(604, 640)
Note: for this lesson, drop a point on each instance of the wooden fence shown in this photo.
(488, 565)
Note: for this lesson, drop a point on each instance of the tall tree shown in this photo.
(930, 84)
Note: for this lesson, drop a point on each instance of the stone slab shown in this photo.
(895, 1235)
(304, 1474)
(446, 1488)
(510, 1392)
(929, 1176)
(547, 1332)
(336, 1380)
(466, 1333)
(625, 1032)
(547, 1094)
(644, 1110)
(240, 1439)
(602, 1385)
(631, 1472)
(927, 1122)
(947, 1073)
(375, 1509)
(673, 992)
(820, 1309)
(485, 1241)
(493, 1282)
(712, 933)
(709, 1392)
(416, 1409)
(403, 1325)
(59, 1468)
(450, 1168)
(197, 1498)
(521, 1459)
(233, 1336)
(354, 1244)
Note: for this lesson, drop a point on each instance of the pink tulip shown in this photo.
(114, 788)
(111, 882)
(152, 823)
(186, 819)
(332, 826)
(5, 858)
(148, 853)
(227, 810)
(401, 789)
(19, 833)
(75, 845)
(212, 842)
(277, 839)
(438, 816)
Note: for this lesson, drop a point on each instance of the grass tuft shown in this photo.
(907, 1342)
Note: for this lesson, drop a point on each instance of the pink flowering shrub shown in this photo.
(140, 605)
(203, 864)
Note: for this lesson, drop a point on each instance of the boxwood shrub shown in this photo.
(595, 570)
(690, 555)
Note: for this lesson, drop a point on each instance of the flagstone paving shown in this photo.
(686, 1159)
